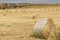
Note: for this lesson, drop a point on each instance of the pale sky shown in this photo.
(31, 1)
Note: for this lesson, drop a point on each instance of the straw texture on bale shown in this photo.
(44, 28)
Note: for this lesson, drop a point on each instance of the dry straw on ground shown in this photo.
(45, 28)
(16, 24)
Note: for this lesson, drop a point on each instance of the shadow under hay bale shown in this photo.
(45, 28)
(37, 37)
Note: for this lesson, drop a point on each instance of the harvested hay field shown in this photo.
(17, 24)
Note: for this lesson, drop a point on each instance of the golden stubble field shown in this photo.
(17, 24)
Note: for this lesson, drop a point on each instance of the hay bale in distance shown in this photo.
(44, 28)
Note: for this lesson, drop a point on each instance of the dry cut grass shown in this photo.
(17, 24)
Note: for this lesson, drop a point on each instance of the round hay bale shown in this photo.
(44, 28)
